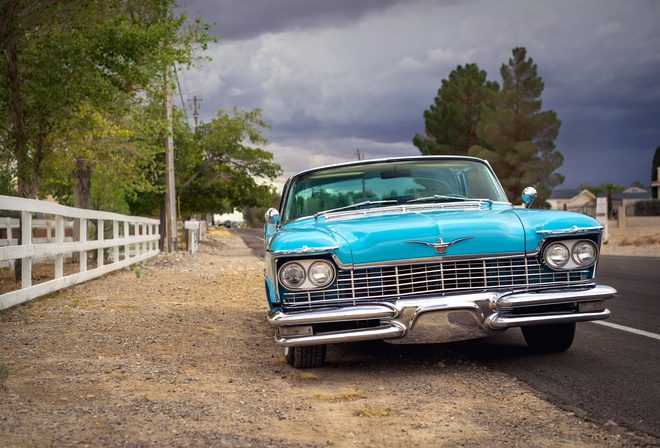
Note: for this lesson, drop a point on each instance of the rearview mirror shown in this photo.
(528, 196)
(396, 172)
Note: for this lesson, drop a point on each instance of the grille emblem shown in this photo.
(441, 247)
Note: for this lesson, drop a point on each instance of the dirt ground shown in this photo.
(182, 355)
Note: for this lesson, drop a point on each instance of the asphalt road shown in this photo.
(610, 374)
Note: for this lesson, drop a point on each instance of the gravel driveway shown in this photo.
(183, 356)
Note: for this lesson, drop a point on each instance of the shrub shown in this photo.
(649, 207)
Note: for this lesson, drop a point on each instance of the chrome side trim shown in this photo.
(404, 208)
(381, 311)
(388, 331)
(572, 230)
(497, 322)
(425, 260)
(304, 250)
(511, 301)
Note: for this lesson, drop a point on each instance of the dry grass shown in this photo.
(641, 241)
(347, 396)
(368, 411)
(304, 376)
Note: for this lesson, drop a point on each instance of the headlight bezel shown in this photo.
(550, 250)
(572, 247)
(310, 281)
(289, 266)
(574, 254)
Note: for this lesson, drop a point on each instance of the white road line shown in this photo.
(648, 334)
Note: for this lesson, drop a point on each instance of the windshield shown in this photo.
(390, 183)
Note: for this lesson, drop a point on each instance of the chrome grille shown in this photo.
(382, 283)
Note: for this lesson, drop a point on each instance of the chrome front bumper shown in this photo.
(440, 318)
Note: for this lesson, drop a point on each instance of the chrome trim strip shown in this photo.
(304, 250)
(390, 330)
(403, 208)
(513, 300)
(409, 261)
(381, 311)
(497, 322)
(572, 230)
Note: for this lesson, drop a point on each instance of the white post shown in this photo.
(127, 247)
(99, 254)
(26, 240)
(139, 246)
(115, 237)
(59, 239)
(601, 215)
(83, 239)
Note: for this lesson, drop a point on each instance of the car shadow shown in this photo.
(499, 349)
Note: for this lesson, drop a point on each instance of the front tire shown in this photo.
(305, 357)
(553, 338)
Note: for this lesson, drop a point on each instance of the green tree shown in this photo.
(654, 172)
(517, 136)
(215, 167)
(451, 121)
(219, 170)
(59, 55)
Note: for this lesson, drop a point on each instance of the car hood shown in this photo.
(359, 239)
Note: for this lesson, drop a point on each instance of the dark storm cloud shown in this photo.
(334, 76)
(246, 19)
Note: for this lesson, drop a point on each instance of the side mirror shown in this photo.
(272, 216)
(528, 196)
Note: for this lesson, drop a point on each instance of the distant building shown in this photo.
(581, 201)
(584, 201)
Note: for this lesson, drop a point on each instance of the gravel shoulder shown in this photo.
(184, 356)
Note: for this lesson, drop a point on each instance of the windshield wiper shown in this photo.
(441, 197)
(438, 197)
(358, 205)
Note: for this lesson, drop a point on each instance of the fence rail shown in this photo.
(133, 240)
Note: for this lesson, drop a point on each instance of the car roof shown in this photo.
(387, 160)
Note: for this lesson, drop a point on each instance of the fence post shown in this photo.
(127, 247)
(83, 239)
(59, 239)
(26, 240)
(100, 237)
(115, 237)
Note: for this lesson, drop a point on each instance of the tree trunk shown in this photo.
(82, 185)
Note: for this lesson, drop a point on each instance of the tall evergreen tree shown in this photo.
(517, 136)
(451, 121)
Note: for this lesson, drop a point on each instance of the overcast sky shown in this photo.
(333, 76)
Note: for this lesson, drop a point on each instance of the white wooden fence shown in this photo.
(134, 240)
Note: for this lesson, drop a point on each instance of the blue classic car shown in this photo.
(423, 250)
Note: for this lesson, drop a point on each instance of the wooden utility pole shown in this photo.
(196, 112)
(170, 193)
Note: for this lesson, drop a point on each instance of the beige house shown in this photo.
(574, 200)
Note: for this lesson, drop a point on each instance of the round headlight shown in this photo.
(292, 275)
(321, 273)
(556, 255)
(584, 253)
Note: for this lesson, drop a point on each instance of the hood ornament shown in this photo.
(440, 247)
